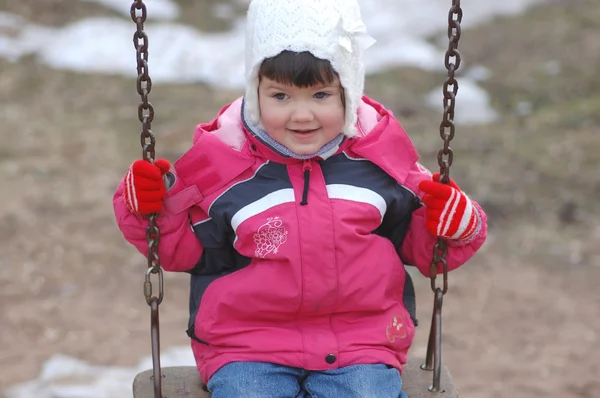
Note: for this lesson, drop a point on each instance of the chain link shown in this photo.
(145, 112)
(445, 155)
(139, 14)
(445, 158)
(440, 251)
(144, 83)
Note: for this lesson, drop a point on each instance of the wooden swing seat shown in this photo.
(184, 382)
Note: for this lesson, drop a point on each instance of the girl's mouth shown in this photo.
(304, 132)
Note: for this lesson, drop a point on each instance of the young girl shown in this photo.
(295, 211)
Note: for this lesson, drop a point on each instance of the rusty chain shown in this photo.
(445, 157)
(139, 14)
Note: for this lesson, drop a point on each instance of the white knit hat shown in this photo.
(332, 30)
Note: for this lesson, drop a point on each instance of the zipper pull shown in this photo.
(307, 166)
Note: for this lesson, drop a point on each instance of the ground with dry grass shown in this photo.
(519, 319)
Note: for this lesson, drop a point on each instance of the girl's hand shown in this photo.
(449, 212)
(144, 186)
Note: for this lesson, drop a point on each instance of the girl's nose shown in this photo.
(302, 114)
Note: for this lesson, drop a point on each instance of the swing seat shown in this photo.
(184, 382)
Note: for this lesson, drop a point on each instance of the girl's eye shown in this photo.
(321, 95)
(279, 96)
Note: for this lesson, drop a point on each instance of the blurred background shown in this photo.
(520, 320)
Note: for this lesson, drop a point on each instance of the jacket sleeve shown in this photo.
(179, 248)
(417, 247)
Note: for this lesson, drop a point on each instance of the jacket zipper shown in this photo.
(307, 166)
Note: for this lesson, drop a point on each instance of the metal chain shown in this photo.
(146, 116)
(445, 157)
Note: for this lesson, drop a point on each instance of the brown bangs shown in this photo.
(298, 69)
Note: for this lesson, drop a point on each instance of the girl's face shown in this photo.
(302, 119)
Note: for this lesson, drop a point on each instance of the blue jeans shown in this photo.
(266, 380)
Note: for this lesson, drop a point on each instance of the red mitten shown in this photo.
(449, 212)
(144, 186)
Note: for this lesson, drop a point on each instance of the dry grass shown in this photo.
(519, 318)
(55, 12)
(211, 15)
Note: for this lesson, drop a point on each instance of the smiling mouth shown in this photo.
(303, 131)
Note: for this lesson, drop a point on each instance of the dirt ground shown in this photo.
(520, 320)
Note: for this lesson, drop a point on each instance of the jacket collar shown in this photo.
(381, 139)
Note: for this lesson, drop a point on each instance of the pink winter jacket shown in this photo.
(315, 285)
